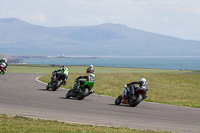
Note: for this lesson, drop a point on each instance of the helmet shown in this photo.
(91, 66)
(5, 60)
(63, 67)
(143, 80)
(125, 86)
(92, 75)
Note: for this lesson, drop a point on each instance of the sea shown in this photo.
(170, 63)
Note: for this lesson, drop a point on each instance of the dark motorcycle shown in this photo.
(1, 72)
(83, 91)
(3, 69)
(57, 81)
(134, 97)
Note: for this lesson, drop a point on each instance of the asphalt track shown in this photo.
(22, 95)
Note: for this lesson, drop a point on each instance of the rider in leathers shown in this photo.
(90, 77)
(62, 72)
(90, 69)
(3, 66)
(142, 85)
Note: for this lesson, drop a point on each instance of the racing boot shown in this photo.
(64, 82)
(144, 97)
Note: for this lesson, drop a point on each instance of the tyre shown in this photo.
(47, 87)
(136, 101)
(82, 94)
(118, 100)
(68, 94)
(56, 86)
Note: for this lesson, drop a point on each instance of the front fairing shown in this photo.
(141, 91)
(88, 84)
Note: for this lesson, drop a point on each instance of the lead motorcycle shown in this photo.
(82, 91)
(134, 97)
(57, 81)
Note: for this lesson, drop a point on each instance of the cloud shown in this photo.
(40, 18)
(197, 10)
(105, 19)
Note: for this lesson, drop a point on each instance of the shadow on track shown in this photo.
(42, 90)
(46, 90)
(122, 105)
(72, 98)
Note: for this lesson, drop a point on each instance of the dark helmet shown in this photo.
(63, 67)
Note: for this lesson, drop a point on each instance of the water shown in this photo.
(172, 63)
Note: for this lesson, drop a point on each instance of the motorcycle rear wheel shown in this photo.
(47, 87)
(136, 101)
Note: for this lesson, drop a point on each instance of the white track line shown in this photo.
(37, 79)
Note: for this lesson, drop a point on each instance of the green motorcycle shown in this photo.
(80, 89)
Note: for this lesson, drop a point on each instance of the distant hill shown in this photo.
(21, 38)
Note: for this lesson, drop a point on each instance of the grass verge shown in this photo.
(20, 124)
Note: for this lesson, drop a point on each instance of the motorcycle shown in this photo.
(57, 81)
(2, 70)
(80, 91)
(134, 97)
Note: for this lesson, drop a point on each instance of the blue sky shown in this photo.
(178, 18)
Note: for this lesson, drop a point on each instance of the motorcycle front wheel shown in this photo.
(68, 94)
(118, 100)
(47, 87)
(136, 101)
(56, 86)
(82, 94)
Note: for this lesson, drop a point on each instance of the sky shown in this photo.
(177, 18)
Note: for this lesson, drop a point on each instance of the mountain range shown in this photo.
(21, 38)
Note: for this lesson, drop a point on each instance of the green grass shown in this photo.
(82, 69)
(18, 124)
(30, 68)
(175, 87)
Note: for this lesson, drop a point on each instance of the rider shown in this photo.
(90, 69)
(142, 85)
(90, 77)
(62, 72)
(3, 66)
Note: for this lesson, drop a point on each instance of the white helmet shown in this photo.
(143, 79)
(5, 60)
(91, 66)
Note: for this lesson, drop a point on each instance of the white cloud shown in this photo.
(173, 3)
(40, 18)
(197, 10)
(105, 19)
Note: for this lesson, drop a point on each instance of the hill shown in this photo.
(21, 38)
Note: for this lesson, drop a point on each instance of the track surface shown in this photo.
(21, 94)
